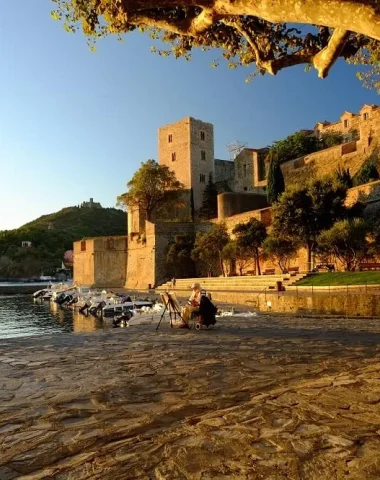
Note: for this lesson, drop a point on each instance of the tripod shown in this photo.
(173, 307)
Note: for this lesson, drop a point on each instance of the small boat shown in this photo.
(50, 290)
(142, 316)
(111, 309)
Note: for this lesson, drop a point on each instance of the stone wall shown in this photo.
(135, 220)
(100, 261)
(250, 170)
(84, 273)
(110, 261)
(141, 259)
(146, 263)
(368, 193)
(201, 158)
(225, 173)
(230, 203)
(350, 155)
(187, 148)
(303, 302)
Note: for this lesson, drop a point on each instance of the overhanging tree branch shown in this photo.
(325, 59)
(246, 31)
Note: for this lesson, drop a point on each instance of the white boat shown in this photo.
(51, 289)
(138, 316)
(113, 308)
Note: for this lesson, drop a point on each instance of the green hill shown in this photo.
(51, 235)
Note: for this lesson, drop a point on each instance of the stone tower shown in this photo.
(187, 148)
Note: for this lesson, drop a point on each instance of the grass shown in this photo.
(341, 278)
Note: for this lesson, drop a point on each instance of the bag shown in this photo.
(207, 311)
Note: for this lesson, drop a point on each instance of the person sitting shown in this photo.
(193, 304)
(200, 306)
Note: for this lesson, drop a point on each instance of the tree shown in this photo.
(347, 241)
(275, 181)
(304, 212)
(152, 188)
(330, 139)
(280, 250)
(250, 237)
(247, 32)
(294, 146)
(367, 173)
(209, 246)
(179, 259)
(235, 254)
(209, 208)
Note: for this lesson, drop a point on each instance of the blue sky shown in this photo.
(76, 124)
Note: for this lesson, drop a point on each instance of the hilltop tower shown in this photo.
(187, 148)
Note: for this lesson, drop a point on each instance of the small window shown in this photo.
(170, 138)
(346, 124)
(203, 155)
(202, 136)
(245, 170)
(174, 157)
(245, 189)
(202, 178)
(365, 116)
(83, 246)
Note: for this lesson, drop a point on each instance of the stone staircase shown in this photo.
(249, 283)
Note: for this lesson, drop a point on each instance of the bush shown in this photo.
(344, 177)
(367, 173)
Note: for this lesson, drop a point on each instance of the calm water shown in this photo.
(21, 316)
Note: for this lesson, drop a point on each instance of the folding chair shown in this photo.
(172, 305)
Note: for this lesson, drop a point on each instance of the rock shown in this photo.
(336, 441)
(310, 430)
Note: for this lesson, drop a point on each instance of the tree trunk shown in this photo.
(221, 264)
(309, 254)
(258, 262)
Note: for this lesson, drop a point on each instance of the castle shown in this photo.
(187, 148)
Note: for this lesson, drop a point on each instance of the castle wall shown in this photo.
(201, 158)
(250, 170)
(244, 171)
(141, 259)
(187, 148)
(146, 261)
(225, 172)
(348, 155)
(84, 273)
(100, 261)
(174, 149)
(136, 220)
(110, 261)
(231, 203)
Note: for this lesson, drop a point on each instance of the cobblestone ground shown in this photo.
(271, 398)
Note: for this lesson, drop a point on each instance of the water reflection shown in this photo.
(20, 316)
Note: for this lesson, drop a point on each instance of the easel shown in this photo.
(173, 307)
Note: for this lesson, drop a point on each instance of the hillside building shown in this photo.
(90, 204)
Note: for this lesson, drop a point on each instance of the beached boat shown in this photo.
(111, 309)
(50, 290)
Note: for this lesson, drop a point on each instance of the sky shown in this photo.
(76, 124)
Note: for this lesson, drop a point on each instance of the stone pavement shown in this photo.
(259, 398)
